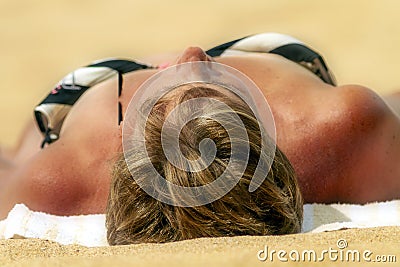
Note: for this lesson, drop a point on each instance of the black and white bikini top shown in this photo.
(52, 111)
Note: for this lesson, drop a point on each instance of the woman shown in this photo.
(343, 143)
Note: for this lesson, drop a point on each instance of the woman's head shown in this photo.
(133, 216)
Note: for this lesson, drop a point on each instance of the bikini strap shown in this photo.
(52, 111)
(281, 44)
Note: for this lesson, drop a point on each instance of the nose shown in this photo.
(192, 54)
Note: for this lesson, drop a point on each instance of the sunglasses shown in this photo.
(120, 117)
(123, 66)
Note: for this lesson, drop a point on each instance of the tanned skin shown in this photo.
(344, 142)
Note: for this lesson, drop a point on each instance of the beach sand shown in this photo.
(41, 41)
(234, 251)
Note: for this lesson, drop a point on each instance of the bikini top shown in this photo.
(52, 111)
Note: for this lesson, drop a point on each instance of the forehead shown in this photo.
(176, 91)
(173, 97)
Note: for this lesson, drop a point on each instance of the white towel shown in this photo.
(86, 230)
(90, 230)
(322, 218)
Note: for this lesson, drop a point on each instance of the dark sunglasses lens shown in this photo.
(119, 113)
(119, 84)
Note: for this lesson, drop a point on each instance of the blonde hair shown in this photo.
(133, 216)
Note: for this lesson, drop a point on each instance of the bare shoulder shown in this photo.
(353, 149)
(363, 101)
(53, 181)
(374, 151)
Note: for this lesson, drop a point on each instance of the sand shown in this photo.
(234, 251)
(43, 40)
